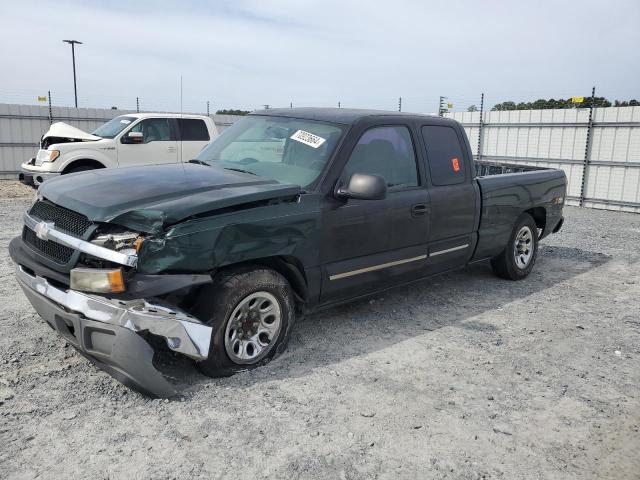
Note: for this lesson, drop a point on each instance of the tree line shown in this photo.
(542, 104)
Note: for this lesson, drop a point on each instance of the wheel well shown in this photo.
(86, 162)
(539, 215)
(289, 267)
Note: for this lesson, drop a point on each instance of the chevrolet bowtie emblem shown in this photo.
(42, 229)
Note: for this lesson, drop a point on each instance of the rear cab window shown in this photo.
(192, 129)
(445, 155)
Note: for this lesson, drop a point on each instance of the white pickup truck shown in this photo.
(131, 139)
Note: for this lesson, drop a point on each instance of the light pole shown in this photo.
(73, 56)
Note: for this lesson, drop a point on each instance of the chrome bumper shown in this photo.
(183, 333)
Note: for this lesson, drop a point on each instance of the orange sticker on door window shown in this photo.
(455, 164)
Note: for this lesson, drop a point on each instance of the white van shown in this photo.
(131, 139)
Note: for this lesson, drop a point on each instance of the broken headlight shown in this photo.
(125, 242)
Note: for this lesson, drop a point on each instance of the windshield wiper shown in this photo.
(240, 170)
(198, 162)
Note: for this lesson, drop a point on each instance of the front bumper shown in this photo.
(31, 175)
(106, 331)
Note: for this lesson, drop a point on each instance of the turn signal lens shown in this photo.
(97, 280)
(53, 154)
(138, 244)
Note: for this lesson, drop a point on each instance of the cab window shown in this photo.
(154, 130)
(444, 155)
(192, 129)
(388, 152)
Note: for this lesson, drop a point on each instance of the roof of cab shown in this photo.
(335, 115)
(163, 115)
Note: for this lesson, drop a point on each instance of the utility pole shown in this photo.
(399, 104)
(73, 56)
(207, 108)
(338, 104)
(138, 104)
(291, 105)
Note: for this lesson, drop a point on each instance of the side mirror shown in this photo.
(363, 186)
(134, 137)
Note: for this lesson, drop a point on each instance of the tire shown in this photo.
(238, 305)
(519, 256)
(82, 168)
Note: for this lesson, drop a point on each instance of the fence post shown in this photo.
(399, 104)
(50, 109)
(138, 104)
(587, 149)
(480, 125)
(441, 106)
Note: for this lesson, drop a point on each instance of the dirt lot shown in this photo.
(462, 376)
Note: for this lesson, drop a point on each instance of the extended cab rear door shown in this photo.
(453, 194)
(193, 135)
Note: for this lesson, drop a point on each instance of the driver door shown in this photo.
(372, 244)
(158, 144)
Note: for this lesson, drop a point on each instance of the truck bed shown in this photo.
(507, 190)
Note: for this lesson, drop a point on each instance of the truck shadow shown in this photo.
(450, 300)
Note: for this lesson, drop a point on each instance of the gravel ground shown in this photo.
(461, 376)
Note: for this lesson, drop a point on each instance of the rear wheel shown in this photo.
(252, 311)
(519, 256)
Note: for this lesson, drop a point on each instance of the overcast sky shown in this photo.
(246, 53)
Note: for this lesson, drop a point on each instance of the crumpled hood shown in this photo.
(151, 197)
(63, 130)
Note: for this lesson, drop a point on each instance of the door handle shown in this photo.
(418, 210)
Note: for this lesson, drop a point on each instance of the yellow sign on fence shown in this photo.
(42, 98)
(577, 99)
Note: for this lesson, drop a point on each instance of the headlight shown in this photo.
(51, 155)
(120, 241)
(46, 156)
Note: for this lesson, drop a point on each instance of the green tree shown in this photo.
(543, 104)
(504, 106)
(472, 108)
(232, 112)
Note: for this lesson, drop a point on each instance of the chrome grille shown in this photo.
(63, 218)
(52, 250)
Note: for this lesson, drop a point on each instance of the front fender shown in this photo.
(106, 159)
(202, 245)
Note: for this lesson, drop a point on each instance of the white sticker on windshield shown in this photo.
(126, 122)
(308, 138)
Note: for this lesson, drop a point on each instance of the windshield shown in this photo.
(113, 127)
(288, 150)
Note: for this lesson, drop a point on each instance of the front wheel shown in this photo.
(252, 311)
(517, 259)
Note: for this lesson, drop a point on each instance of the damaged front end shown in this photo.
(107, 327)
(106, 331)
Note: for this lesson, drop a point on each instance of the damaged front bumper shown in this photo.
(31, 175)
(106, 331)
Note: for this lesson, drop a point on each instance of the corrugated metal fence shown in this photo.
(21, 127)
(601, 158)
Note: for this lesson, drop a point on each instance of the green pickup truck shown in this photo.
(285, 212)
